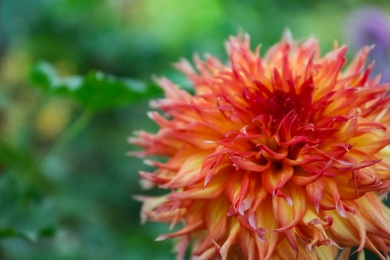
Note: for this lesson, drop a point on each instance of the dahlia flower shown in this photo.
(276, 157)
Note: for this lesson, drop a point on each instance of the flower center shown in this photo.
(281, 103)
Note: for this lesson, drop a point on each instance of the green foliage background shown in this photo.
(66, 184)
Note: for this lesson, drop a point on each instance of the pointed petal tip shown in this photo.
(287, 35)
(138, 198)
(217, 246)
(161, 238)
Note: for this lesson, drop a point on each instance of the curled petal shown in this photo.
(315, 192)
(244, 164)
(276, 176)
(287, 216)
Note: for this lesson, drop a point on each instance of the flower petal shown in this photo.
(276, 176)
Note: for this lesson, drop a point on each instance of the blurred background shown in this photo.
(66, 183)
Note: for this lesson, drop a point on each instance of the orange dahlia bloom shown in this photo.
(276, 157)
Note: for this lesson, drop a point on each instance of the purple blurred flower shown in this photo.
(367, 26)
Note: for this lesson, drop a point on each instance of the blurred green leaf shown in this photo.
(9, 232)
(46, 231)
(96, 91)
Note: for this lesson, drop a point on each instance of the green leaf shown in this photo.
(9, 232)
(95, 91)
(32, 236)
(48, 231)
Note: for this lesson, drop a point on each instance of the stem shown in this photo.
(76, 127)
